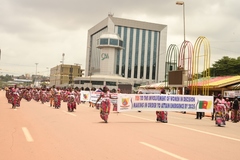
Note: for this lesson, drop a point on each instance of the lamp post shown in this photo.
(36, 68)
(184, 36)
(36, 75)
(183, 4)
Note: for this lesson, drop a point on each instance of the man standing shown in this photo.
(235, 109)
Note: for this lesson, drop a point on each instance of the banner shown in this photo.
(164, 102)
(232, 94)
(94, 96)
(85, 96)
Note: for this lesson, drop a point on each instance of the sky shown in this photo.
(34, 34)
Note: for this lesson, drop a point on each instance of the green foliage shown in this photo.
(6, 78)
(225, 67)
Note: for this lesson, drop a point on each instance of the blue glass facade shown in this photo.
(136, 54)
(141, 46)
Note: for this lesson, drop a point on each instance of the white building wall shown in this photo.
(107, 61)
(162, 55)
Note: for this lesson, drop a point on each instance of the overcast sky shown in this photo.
(40, 31)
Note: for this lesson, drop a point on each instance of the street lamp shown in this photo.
(36, 68)
(183, 4)
(184, 38)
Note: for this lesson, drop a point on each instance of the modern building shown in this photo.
(139, 50)
(63, 75)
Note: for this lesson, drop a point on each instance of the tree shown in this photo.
(6, 78)
(226, 66)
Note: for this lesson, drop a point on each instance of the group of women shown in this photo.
(223, 108)
(43, 95)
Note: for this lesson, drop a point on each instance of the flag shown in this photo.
(205, 104)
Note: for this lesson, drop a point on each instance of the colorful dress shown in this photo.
(105, 106)
(15, 98)
(71, 104)
(220, 111)
(57, 99)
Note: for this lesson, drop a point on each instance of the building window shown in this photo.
(143, 52)
(119, 31)
(130, 54)
(114, 42)
(120, 43)
(97, 82)
(148, 54)
(108, 83)
(124, 51)
(103, 41)
(154, 55)
(136, 54)
(77, 82)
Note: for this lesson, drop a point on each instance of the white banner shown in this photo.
(94, 96)
(163, 102)
(232, 94)
(85, 96)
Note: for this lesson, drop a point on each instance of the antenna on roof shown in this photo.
(62, 61)
(110, 14)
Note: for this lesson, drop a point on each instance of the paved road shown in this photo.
(36, 131)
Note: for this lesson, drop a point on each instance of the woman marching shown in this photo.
(220, 110)
(162, 115)
(57, 98)
(105, 103)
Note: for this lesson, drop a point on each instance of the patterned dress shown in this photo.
(57, 99)
(220, 111)
(105, 106)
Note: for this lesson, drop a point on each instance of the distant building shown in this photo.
(63, 75)
(138, 55)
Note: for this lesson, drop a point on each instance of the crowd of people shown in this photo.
(224, 108)
(56, 95)
(53, 95)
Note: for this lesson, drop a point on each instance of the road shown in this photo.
(37, 131)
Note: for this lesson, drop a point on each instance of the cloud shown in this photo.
(40, 31)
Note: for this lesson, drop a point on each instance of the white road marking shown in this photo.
(27, 134)
(212, 134)
(139, 117)
(191, 129)
(163, 151)
(70, 113)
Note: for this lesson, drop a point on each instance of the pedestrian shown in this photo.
(162, 115)
(218, 100)
(105, 103)
(235, 109)
(220, 110)
(228, 108)
(140, 92)
(52, 94)
(57, 98)
(199, 115)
